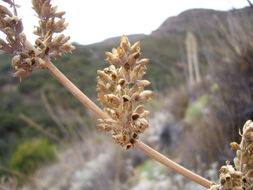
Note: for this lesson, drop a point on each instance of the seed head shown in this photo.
(121, 92)
(50, 43)
(27, 57)
(239, 177)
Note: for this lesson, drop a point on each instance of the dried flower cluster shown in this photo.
(239, 177)
(14, 43)
(26, 56)
(121, 92)
(50, 23)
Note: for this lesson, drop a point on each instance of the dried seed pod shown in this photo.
(121, 91)
(104, 77)
(143, 62)
(101, 87)
(135, 116)
(235, 146)
(143, 83)
(145, 114)
(112, 99)
(135, 47)
(145, 95)
(104, 127)
(125, 98)
(129, 146)
(139, 109)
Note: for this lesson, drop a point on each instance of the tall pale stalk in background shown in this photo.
(192, 58)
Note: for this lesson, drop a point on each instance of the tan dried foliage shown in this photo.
(121, 92)
(26, 56)
(239, 177)
(51, 22)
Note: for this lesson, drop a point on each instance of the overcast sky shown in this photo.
(92, 21)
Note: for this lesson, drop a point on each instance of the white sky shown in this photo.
(92, 21)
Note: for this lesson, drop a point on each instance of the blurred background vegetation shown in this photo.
(203, 98)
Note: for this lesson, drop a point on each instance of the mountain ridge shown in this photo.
(189, 20)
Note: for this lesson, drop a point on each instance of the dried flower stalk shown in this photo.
(239, 177)
(28, 57)
(121, 92)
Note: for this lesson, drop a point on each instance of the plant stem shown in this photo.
(143, 147)
(174, 166)
(74, 90)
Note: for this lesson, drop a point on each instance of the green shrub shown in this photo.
(32, 154)
(195, 109)
(148, 168)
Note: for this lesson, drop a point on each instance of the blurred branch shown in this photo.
(39, 127)
(250, 4)
(33, 179)
(52, 114)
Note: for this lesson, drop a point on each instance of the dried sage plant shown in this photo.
(26, 56)
(121, 92)
(239, 177)
(51, 22)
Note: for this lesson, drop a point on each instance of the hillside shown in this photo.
(199, 21)
(165, 47)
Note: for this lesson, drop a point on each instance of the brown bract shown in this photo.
(239, 177)
(121, 92)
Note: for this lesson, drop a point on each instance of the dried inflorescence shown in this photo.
(121, 92)
(51, 22)
(239, 177)
(26, 56)
(230, 179)
(15, 42)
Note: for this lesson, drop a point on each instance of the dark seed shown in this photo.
(114, 77)
(31, 53)
(122, 82)
(33, 61)
(46, 51)
(132, 141)
(125, 99)
(127, 66)
(137, 55)
(135, 116)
